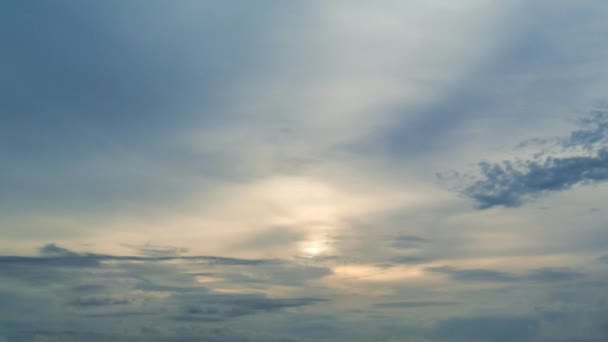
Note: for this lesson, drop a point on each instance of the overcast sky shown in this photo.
(321, 170)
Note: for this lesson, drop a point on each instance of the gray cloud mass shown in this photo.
(511, 183)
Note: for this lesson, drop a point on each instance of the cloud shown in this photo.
(118, 314)
(52, 249)
(215, 308)
(245, 131)
(475, 274)
(88, 288)
(85, 302)
(59, 261)
(135, 291)
(161, 251)
(406, 259)
(59, 256)
(595, 134)
(535, 71)
(503, 184)
(320, 330)
(413, 304)
(409, 241)
(545, 274)
(488, 329)
(150, 335)
(511, 183)
(271, 238)
(552, 274)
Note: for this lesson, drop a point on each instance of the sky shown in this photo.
(298, 171)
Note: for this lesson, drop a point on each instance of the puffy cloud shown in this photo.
(510, 183)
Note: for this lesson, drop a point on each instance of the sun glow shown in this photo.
(314, 248)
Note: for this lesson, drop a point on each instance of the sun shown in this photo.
(313, 248)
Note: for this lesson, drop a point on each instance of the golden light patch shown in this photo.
(207, 279)
(372, 273)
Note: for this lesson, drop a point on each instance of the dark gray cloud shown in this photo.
(59, 261)
(117, 314)
(488, 329)
(101, 281)
(215, 308)
(550, 274)
(98, 301)
(52, 249)
(475, 274)
(124, 290)
(44, 271)
(54, 255)
(407, 259)
(511, 183)
(593, 134)
(150, 335)
(413, 304)
(64, 267)
(546, 274)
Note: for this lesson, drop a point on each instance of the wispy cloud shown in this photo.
(59, 256)
(413, 304)
(546, 274)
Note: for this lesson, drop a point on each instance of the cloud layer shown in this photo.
(265, 171)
